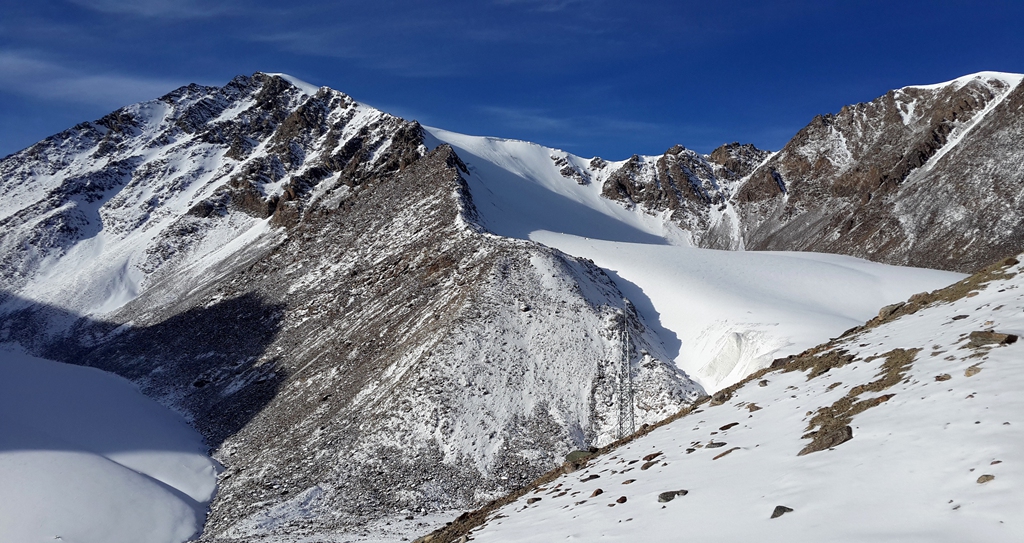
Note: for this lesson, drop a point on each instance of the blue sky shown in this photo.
(595, 77)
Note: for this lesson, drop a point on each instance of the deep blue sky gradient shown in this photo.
(594, 77)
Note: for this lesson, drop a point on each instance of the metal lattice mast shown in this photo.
(627, 419)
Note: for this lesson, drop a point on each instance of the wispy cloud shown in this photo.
(557, 130)
(543, 6)
(351, 44)
(171, 9)
(30, 76)
(526, 118)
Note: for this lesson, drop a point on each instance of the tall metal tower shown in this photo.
(627, 418)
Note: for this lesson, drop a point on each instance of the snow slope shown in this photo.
(85, 457)
(722, 314)
(727, 314)
(937, 455)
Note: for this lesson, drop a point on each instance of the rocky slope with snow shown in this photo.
(923, 176)
(906, 428)
(306, 281)
(372, 322)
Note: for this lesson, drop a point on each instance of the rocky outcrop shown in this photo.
(921, 176)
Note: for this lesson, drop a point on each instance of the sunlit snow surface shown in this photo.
(721, 314)
(913, 472)
(85, 457)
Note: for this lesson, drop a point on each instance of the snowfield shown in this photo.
(721, 314)
(936, 456)
(85, 457)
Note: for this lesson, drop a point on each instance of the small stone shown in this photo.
(648, 464)
(622, 499)
(985, 478)
(972, 371)
(943, 377)
(753, 407)
(578, 457)
(671, 495)
(889, 310)
(629, 481)
(590, 478)
(727, 426)
(652, 456)
(597, 492)
(978, 339)
(721, 397)
(725, 453)
(781, 510)
(532, 501)
(715, 445)
(762, 383)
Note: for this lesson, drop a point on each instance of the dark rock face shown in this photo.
(691, 188)
(736, 160)
(921, 176)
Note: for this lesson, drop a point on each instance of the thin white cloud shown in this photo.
(30, 76)
(537, 119)
(173, 9)
(543, 6)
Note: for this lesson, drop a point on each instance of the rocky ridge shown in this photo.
(304, 279)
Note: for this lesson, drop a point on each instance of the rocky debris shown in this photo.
(531, 501)
(579, 458)
(652, 456)
(621, 499)
(781, 510)
(737, 160)
(943, 377)
(987, 337)
(629, 481)
(828, 438)
(721, 397)
(665, 497)
(720, 455)
(590, 477)
(596, 492)
(753, 407)
(985, 478)
(648, 465)
(972, 371)
(728, 426)
(889, 310)
(714, 444)
(569, 170)
(762, 383)
(830, 425)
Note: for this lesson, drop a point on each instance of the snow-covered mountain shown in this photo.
(371, 321)
(907, 428)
